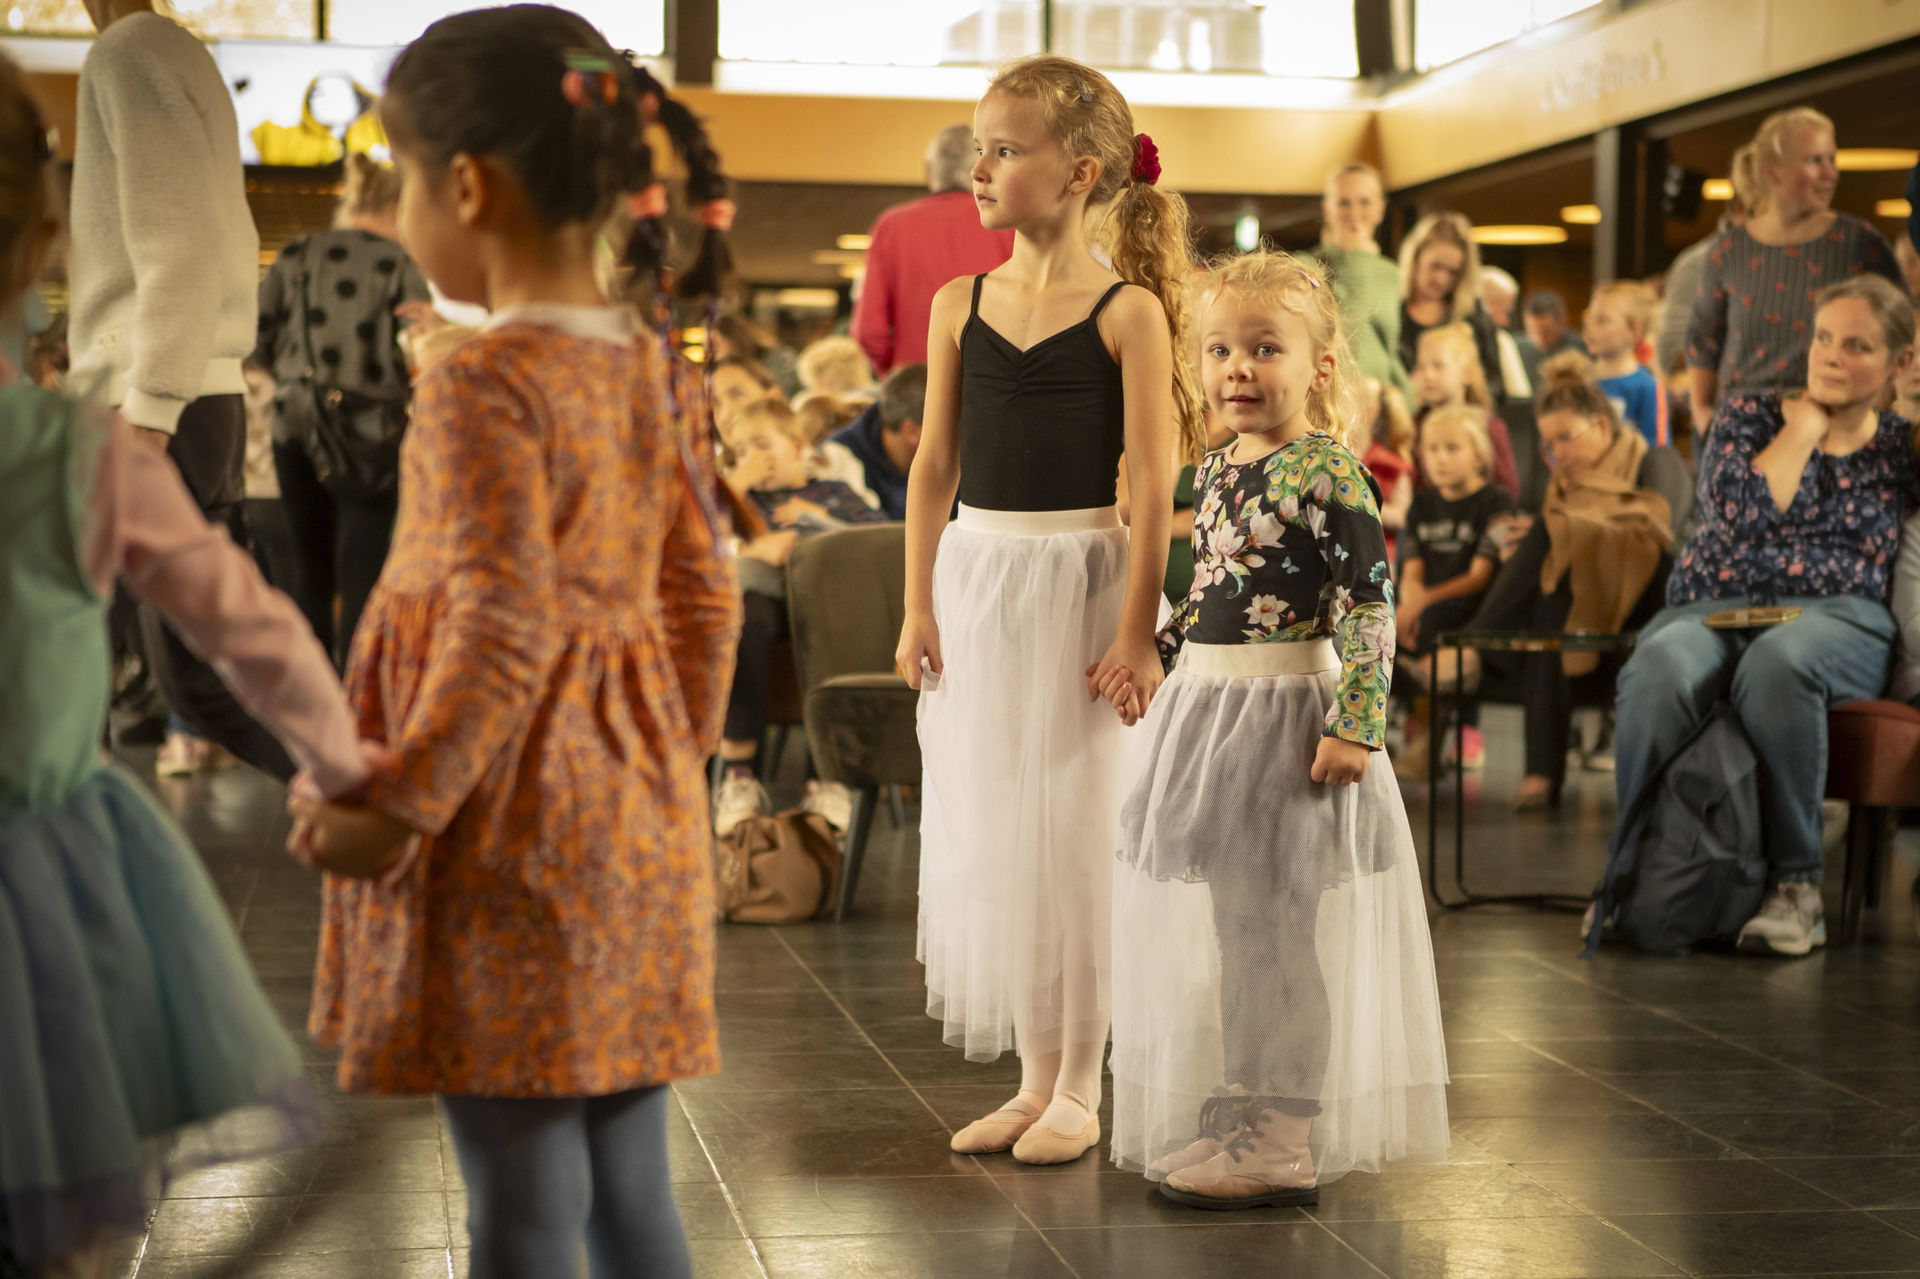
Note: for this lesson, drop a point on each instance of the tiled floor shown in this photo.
(1626, 1117)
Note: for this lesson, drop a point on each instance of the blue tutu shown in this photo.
(138, 1044)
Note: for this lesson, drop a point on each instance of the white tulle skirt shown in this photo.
(1024, 777)
(1270, 939)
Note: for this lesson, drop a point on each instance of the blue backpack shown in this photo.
(1685, 863)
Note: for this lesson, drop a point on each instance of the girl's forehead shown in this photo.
(1005, 115)
(1227, 307)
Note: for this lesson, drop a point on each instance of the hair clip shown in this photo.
(1305, 274)
(588, 76)
(1146, 160)
(1082, 90)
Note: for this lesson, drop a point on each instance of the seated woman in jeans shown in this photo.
(1801, 500)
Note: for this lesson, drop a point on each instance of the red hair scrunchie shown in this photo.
(1146, 160)
(717, 215)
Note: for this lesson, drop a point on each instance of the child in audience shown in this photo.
(544, 658)
(1454, 528)
(1447, 372)
(1276, 1020)
(1456, 531)
(1389, 457)
(836, 366)
(131, 1016)
(1035, 602)
(770, 466)
(1616, 325)
(819, 416)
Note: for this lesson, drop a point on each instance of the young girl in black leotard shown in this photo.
(1042, 374)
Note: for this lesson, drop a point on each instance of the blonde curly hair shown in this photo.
(1281, 280)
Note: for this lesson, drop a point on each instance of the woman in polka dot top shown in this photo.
(327, 322)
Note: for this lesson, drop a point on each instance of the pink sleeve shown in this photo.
(145, 529)
(873, 319)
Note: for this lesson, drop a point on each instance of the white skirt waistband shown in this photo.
(1038, 523)
(1258, 661)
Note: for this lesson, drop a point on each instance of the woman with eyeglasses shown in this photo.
(1596, 558)
(1778, 603)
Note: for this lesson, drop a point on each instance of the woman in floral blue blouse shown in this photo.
(1800, 504)
(1275, 1019)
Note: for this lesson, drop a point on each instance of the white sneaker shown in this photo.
(832, 801)
(1792, 921)
(739, 797)
(1598, 758)
(180, 756)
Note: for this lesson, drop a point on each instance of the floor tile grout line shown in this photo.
(909, 1085)
(1586, 979)
(1365, 1260)
(726, 1191)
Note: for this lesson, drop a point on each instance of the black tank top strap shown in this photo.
(978, 280)
(1099, 306)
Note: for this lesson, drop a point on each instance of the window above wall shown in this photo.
(1447, 30)
(639, 25)
(214, 19)
(1290, 38)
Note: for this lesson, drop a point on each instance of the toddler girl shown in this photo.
(1448, 371)
(136, 1033)
(545, 658)
(1455, 528)
(1276, 1020)
(1042, 373)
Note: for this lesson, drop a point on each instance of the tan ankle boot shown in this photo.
(1220, 1119)
(1267, 1165)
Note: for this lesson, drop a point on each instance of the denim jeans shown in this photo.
(1781, 680)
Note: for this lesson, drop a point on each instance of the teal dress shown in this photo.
(136, 1040)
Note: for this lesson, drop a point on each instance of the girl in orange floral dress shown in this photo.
(521, 918)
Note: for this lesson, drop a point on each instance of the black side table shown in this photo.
(1497, 642)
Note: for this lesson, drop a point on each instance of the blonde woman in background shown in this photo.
(1440, 284)
(1793, 246)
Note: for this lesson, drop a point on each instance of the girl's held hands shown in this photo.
(1339, 762)
(344, 837)
(1128, 675)
(919, 643)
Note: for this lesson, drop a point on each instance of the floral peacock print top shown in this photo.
(1289, 547)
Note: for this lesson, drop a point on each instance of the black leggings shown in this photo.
(1516, 602)
(1277, 1025)
(207, 448)
(765, 625)
(338, 548)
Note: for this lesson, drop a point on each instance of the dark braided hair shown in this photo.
(493, 82)
(647, 248)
